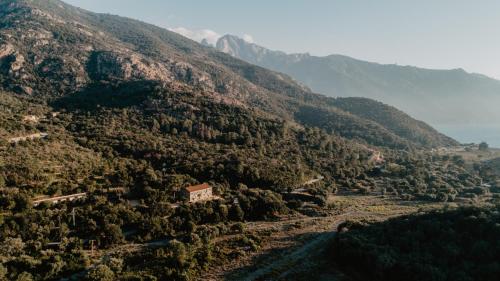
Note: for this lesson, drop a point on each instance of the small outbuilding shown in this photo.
(198, 192)
(58, 199)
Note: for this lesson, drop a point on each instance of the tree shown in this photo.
(3, 272)
(23, 202)
(25, 276)
(11, 247)
(115, 264)
(112, 234)
(179, 254)
(236, 213)
(100, 273)
(483, 146)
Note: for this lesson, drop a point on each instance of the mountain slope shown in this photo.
(436, 96)
(130, 114)
(392, 118)
(50, 49)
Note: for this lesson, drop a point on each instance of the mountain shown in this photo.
(51, 50)
(119, 117)
(205, 42)
(440, 97)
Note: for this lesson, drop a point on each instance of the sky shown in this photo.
(442, 34)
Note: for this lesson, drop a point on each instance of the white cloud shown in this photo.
(248, 38)
(197, 34)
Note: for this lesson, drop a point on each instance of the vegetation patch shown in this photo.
(441, 245)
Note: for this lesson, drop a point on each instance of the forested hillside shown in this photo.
(447, 245)
(393, 119)
(126, 115)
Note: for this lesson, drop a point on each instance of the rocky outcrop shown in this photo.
(185, 72)
(11, 61)
(105, 65)
(6, 50)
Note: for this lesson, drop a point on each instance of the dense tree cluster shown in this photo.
(425, 176)
(442, 245)
(490, 171)
(395, 120)
(338, 122)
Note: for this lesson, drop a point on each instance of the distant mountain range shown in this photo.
(440, 97)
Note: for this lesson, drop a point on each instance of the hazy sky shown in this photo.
(425, 33)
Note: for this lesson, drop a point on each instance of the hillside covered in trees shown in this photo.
(129, 114)
(447, 245)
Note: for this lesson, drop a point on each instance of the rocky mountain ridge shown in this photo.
(434, 96)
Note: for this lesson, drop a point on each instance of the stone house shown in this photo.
(198, 192)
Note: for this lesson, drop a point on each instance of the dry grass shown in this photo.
(475, 155)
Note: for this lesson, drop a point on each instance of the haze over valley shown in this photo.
(463, 105)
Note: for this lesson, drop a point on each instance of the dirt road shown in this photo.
(288, 254)
(288, 262)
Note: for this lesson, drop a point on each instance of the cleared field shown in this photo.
(474, 155)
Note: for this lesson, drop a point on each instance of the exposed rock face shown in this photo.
(18, 63)
(61, 51)
(239, 48)
(10, 60)
(27, 90)
(6, 50)
(106, 65)
(187, 73)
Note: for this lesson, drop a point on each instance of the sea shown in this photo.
(473, 133)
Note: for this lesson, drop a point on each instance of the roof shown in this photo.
(198, 187)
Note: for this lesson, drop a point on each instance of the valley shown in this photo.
(129, 152)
